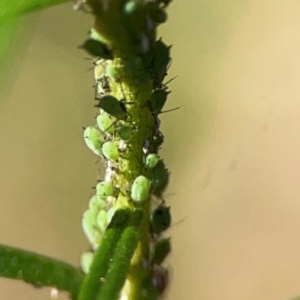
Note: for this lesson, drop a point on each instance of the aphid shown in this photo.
(104, 189)
(157, 100)
(96, 48)
(157, 14)
(147, 291)
(160, 219)
(130, 7)
(86, 261)
(166, 2)
(113, 73)
(110, 151)
(96, 203)
(160, 278)
(93, 139)
(160, 178)
(158, 139)
(151, 160)
(161, 250)
(105, 123)
(102, 220)
(161, 62)
(140, 189)
(110, 214)
(125, 133)
(89, 227)
(113, 107)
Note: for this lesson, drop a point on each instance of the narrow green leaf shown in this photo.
(10, 8)
(39, 270)
(103, 256)
(118, 269)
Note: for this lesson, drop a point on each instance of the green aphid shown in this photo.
(161, 62)
(89, 227)
(160, 178)
(102, 220)
(104, 189)
(110, 151)
(161, 250)
(157, 100)
(160, 219)
(86, 261)
(133, 63)
(113, 107)
(130, 7)
(151, 160)
(105, 123)
(113, 73)
(96, 48)
(125, 133)
(96, 203)
(93, 139)
(140, 189)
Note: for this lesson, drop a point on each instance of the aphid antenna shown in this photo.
(165, 84)
(178, 222)
(169, 110)
(89, 69)
(111, 125)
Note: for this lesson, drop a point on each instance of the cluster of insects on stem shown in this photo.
(130, 95)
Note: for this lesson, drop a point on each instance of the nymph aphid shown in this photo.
(105, 123)
(140, 189)
(96, 48)
(104, 189)
(151, 160)
(113, 107)
(160, 219)
(161, 250)
(160, 178)
(93, 139)
(110, 151)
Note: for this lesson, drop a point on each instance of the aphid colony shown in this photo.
(109, 139)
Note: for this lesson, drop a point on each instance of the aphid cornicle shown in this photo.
(113, 107)
(140, 189)
(160, 219)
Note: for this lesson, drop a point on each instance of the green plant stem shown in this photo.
(137, 92)
(39, 270)
(117, 273)
(94, 279)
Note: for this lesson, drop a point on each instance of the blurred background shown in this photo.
(232, 149)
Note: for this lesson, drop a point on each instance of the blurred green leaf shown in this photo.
(12, 29)
(12, 8)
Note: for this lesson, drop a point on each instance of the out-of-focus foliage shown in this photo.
(12, 27)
